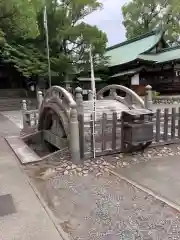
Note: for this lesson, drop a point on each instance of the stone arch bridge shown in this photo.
(59, 111)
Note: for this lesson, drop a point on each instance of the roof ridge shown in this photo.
(153, 32)
(168, 49)
(161, 51)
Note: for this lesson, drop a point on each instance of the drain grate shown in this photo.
(6, 205)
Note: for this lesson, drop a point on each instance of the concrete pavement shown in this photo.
(22, 216)
(15, 117)
(161, 176)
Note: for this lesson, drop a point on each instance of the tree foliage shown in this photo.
(141, 16)
(69, 35)
(18, 18)
(22, 35)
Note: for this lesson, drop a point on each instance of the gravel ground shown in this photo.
(125, 160)
(107, 208)
(91, 203)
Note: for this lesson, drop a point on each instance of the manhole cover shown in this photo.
(6, 205)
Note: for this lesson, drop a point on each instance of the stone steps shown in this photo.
(10, 104)
(13, 93)
(11, 99)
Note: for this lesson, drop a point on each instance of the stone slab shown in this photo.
(22, 151)
(161, 176)
(6, 205)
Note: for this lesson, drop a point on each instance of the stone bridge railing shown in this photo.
(30, 118)
(166, 99)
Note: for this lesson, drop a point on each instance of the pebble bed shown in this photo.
(125, 160)
(60, 164)
(65, 167)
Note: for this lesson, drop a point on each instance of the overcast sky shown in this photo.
(110, 20)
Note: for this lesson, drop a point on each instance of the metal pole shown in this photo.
(93, 87)
(47, 45)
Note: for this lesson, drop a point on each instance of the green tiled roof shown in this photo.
(148, 57)
(166, 55)
(128, 51)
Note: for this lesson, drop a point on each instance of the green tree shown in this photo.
(141, 16)
(22, 42)
(18, 18)
(18, 23)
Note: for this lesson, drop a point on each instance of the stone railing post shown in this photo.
(148, 97)
(90, 95)
(79, 100)
(74, 135)
(24, 109)
(40, 99)
(113, 93)
(24, 105)
(69, 89)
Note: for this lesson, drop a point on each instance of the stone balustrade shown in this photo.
(166, 99)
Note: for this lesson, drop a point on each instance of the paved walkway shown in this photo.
(22, 217)
(160, 176)
(15, 117)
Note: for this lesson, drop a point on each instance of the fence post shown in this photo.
(79, 100)
(90, 95)
(148, 97)
(74, 135)
(40, 99)
(81, 135)
(54, 94)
